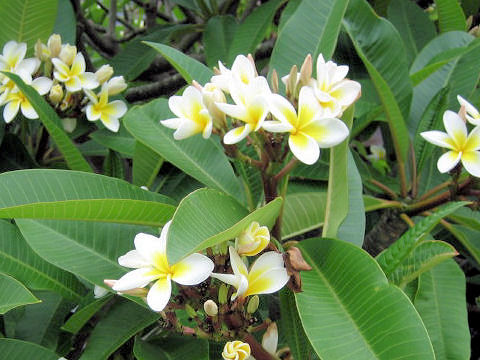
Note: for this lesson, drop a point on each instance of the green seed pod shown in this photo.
(222, 294)
(253, 304)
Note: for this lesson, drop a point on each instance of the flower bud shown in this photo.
(116, 85)
(210, 307)
(54, 45)
(253, 304)
(306, 71)
(104, 73)
(270, 339)
(56, 94)
(211, 94)
(141, 292)
(41, 51)
(68, 53)
(253, 240)
(190, 311)
(274, 81)
(236, 350)
(222, 294)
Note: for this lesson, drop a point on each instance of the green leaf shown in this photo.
(19, 261)
(171, 348)
(146, 165)
(208, 217)
(78, 320)
(252, 30)
(13, 349)
(450, 16)
(393, 257)
(113, 165)
(52, 123)
(14, 294)
(88, 249)
(202, 159)
(413, 25)
(312, 29)
(469, 238)
(422, 258)
(189, 68)
(120, 324)
(377, 44)
(61, 194)
(65, 23)
(121, 142)
(14, 155)
(303, 212)
(219, 33)
(346, 296)
(467, 217)
(27, 21)
(440, 301)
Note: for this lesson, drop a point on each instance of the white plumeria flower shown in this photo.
(150, 261)
(243, 70)
(236, 350)
(462, 146)
(252, 240)
(333, 91)
(12, 59)
(193, 116)
(107, 112)
(251, 107)
(472, 114)
(16, 100)
(74, 77)
(267, 274)
(309, 130)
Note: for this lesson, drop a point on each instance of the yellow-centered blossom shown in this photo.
(461, 146)
(236, 350)
(107, 112)
(74, 76)
(243, 71)
(150, 261)
(252, 240)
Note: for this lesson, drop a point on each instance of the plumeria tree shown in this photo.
(239, 179)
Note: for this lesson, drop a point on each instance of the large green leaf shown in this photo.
(171, 348)
(53, 124)
(121, 142)
(208, 217)
(18, 260)
(61, 194)
(467, 217)
(188, 67)
(378, 44)
(120, 324)
(75, 322)
(13, 349)
(65, 23)
(252, 30)
(202, 159)
(27, 20)
(146, 164)
(347, 307)
(88, 249)
(13, 294)
(440, 301)
(450, 16)
(469, 238)
(303, 212)
(312, 29)
(219, 33)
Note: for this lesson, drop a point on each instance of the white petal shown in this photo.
(133, 259)
(42, 85)
(239, 282)
(73, 84)
(148, 246)
(78, 64)
(456, 128)
(471, 162)
(267, 261)
(346, 92)
(268, 282)
(234, 111)
(29, 65)
(238, 266)
(91, 95)
(276, 126)
(28, 111)
(61, 67)
(207, 131)
(339, 73)
(308, 106)
(282, 109)
(88, 80)
(192, 270)
(135, 279)
(186, 129)
(327, 132)
(110, 122)
(92, 114)
(236, 135)
(438, 138)
(243, 70)
(305, 148)
(11, 110)
(173, 123)
(175, 103)
(270, 339)
(159, 294)
(469, 108)
(448, 161)
(116, 108)
(473, 140)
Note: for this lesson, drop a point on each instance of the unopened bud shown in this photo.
(141, 292)
(253, 304)
(211, 95)
(306, 70)
(104, 73)
(116, 85)
(54, 45)
(252, 61)
(274, 81)
(190, 311)
(291, 81)
(56, 94)
(222, 294)
(69, 124)
(68, 53)
(41, 51)
(210, 307)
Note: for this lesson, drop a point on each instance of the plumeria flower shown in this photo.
(150, 261)
(267, 274)
(74, 76)
(251, 107)
(472, 114)
(309, 130)
(107, 112)
(16, 100)
(333, 91)
(12, 59)
(236, 350)
(212, 94)
(252, 240)
(193, 116)
(243, 70)
(461, 146)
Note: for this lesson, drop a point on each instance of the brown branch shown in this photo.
(166, 86)
(257, 350)
(151, 13)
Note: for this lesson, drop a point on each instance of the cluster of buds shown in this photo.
(64, 78)
(310, 113)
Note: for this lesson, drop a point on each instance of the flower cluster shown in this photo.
(313, 125)
(64, 78)
(462, 146)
